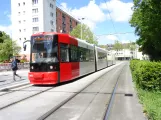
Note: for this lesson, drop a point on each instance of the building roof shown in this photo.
(67, 14)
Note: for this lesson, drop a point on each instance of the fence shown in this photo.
(7, 66)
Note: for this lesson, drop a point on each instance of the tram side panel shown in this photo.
(109, 59)
(101, 58)
(113, 59)
(86, 58)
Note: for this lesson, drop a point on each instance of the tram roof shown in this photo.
(47, 33)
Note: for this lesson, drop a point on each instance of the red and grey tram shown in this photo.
(57, 57)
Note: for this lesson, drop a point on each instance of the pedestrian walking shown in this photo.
(14, 68)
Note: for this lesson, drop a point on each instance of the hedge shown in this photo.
(146, 74)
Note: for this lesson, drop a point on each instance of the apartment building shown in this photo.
(64, 22)
(31, 16)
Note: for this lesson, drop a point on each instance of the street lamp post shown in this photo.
(81, 25)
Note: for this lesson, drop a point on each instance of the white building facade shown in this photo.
(127, 54)
(29, 17)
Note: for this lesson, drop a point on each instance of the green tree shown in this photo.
(117, 46)
(103, 46)
(86, 34)
(132, 46)
(146, 19)
(7, 47)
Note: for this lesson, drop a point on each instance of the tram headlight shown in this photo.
(30, 75)
(32, 67)
(51, 67)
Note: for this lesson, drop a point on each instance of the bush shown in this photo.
(133, 64)
(147, 75)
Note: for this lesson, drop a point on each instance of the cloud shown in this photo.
(64, 6)
(125, 41)
(107, 39)
(92, 13)
(7, 29)
(8, 14)
(112, 37)
(97, 13)
(119, 11)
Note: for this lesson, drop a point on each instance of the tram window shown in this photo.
(81, 54)
(87, 54)
(84, 54)
(64, 52)
(91, 55)
(74, 53)
(101, 55)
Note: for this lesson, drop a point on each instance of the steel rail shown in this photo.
(107, 113)
(25, 98)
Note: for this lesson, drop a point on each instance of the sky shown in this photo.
(104, 17)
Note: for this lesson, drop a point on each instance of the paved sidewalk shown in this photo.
(18, 71)
(6, 77)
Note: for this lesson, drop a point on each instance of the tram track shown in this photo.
(30, 96)
(9, 90)
(54, 109)
(109, 107)
(11, 82)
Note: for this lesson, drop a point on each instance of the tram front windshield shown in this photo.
(44, 49)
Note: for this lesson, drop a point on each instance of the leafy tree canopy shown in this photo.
(103, 46)
(86, 34)
(147, 22)
(7, 47)
(117, 46)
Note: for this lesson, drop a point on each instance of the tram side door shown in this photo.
(65, 66)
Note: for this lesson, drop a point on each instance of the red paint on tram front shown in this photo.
(43, 77)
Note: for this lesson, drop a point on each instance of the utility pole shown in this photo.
(81, 25)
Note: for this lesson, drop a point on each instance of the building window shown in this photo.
(23, 3)
(35, 19)
(19, 22)
(19, 30)
(18, 4)
(24, 30)
(51, 5)
(19, 38)
(34, 2)
(51, 22)
(24, 21)
(24, 38)
(70, 20)
(19, 13)
(52, 30)
(35, 10)
(24, 12)
(51, 14)
(35, 28)
(71, 29)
